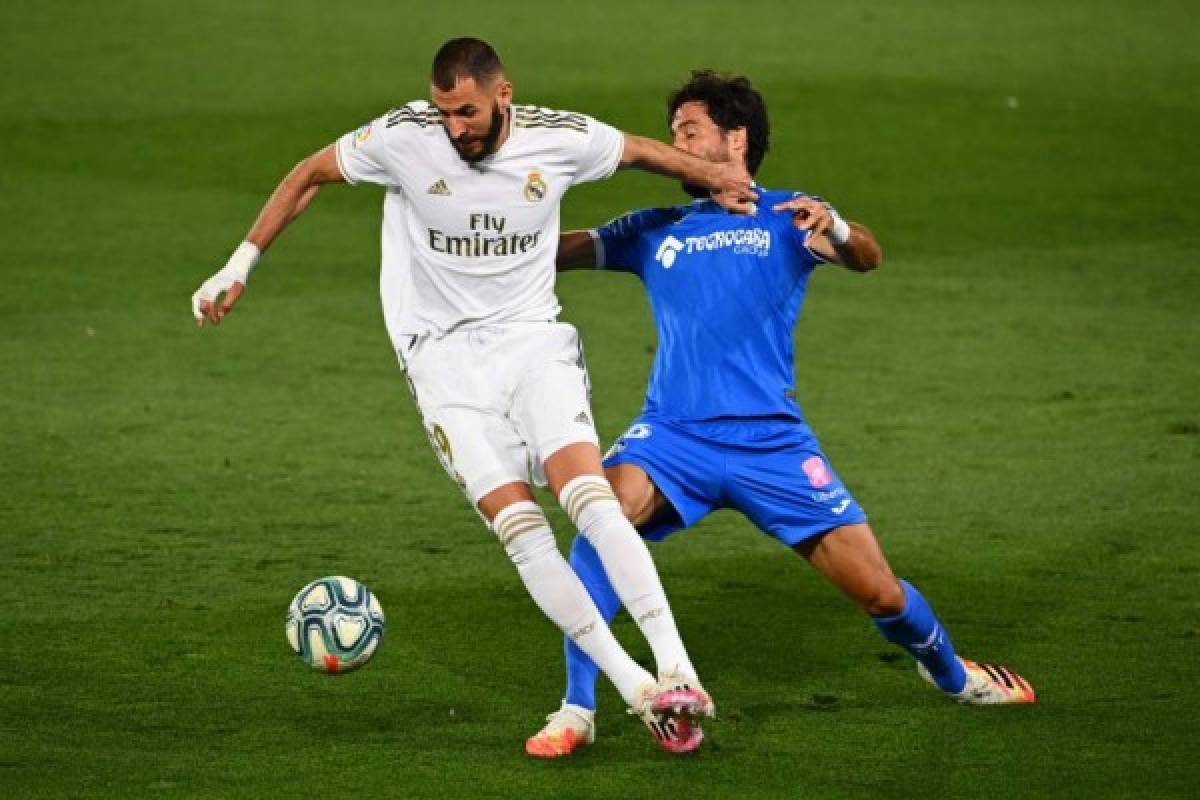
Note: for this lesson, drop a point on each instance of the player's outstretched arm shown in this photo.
(216, 296)
(576, 250)
(847, 243)
(730, 183)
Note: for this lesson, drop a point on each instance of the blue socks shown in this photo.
(918, 631)
(581, 671)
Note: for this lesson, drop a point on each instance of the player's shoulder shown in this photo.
(551, 120)
(773, 196)
(769, 198)
(643, 220)
(415, 115)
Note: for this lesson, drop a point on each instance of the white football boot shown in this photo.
(672, 710)
(567, 730)
(988, 684)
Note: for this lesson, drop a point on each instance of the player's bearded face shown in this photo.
(472, 146)
(473, 115)
(695, 132)
(711, 154)
(716, 149)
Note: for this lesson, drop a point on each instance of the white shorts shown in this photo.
(498, 401)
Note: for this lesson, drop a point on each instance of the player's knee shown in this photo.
(591, 504)
(636, 509)
(524, 533)
(636, 496)
(885, 598)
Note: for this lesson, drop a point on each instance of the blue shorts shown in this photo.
(772, 471)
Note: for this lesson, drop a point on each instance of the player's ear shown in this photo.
(736, 140)
(504, 92)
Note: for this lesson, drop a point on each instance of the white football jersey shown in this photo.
(464, 244)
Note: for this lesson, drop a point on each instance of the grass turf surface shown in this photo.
(1013, 399)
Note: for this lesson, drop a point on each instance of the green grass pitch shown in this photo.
(1015, 399)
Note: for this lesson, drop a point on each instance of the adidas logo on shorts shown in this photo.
(439, 188)
(583, 419)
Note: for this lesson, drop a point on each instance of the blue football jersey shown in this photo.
(726, 291)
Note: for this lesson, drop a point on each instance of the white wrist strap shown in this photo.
(236, 270)
(839, 233)
(242, 261)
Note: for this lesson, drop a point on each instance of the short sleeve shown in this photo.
(362, 155)
(619, 243)
(601, 152)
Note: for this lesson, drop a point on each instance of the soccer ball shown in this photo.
(334, 624)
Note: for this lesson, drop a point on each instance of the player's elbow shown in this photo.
(866, 253)
(866, 257)
(872, 261)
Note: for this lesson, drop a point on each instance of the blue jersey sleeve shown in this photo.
(618, 244)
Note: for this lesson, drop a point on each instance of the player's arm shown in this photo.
(217, 295)
(576, 250)
(615, 245)
(730, 183)
(834, 239)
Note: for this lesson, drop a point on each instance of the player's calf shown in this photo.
(590, 503)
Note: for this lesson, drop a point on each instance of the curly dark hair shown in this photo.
(732, 103)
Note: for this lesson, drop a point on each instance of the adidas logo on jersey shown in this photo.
(439, 188)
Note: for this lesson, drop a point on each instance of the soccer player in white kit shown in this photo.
(470, 232)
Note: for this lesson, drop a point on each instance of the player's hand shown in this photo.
(808, 214)
(216, 296)
(733, 189)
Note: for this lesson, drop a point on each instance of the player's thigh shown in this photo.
(502, 497)
(569, 462)
(551, 404)
(641, 501)
(850, 557)
(666, 479)
(788, 489)
(479, 450)
(477, 444)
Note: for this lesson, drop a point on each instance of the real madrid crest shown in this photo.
(535, 187)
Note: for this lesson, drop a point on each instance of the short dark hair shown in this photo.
(732, 103)
(464, 58)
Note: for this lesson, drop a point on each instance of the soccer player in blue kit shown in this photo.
(721, 427)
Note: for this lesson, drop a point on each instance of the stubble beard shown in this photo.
(488, 139)
(696, 190)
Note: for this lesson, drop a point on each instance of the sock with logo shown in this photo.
(590, 503)
(918, 631)
(526, 536)
(581, 670)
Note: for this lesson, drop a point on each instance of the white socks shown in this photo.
(590, 503)
(523, 530)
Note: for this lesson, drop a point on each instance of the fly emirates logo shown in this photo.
(743, 241)
(488, 237)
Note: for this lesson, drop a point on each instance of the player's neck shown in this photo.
(505, 129)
